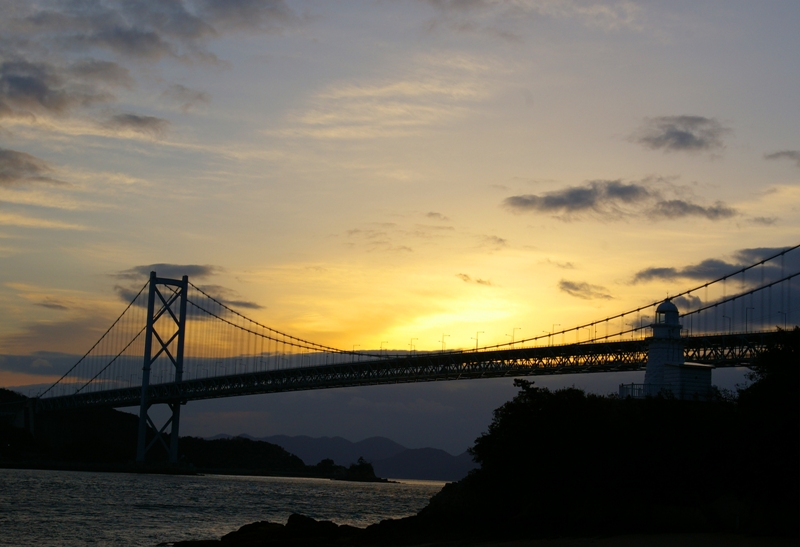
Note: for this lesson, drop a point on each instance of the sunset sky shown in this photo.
(358, 172)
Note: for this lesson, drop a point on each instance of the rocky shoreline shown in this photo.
(303, 531)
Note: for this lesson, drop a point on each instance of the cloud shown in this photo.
(707, 269)
(140, 274)
(15, 219)
(615, 199)
(265, 15)
(584, 290)
(434, 91)
(74, 335)
(681, 134)
(597, 196)
(173, 271)
(792, 155)
(678, 208)
(507, 20)
(714, 268)
(59, 56)
(19, 168)
(127, 41)
(52, 305)
(28, 88)
(687, 302)
(561, 265)
(101, 71)
(467, 279)
(495, 242)
(146, 125)
(764, 221)
(39, 363)
(230, 297)
(187, 98)
(384, 238)
(437, 216)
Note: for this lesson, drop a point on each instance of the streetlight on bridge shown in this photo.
(476, 338)
(443, 337)
(512, 334)
(730, 323)
(553, 332)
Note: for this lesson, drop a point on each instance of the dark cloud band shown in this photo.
(713, 268)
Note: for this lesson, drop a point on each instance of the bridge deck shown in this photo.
(720, 350)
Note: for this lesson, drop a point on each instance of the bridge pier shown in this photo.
(170, 343)
(25, 417)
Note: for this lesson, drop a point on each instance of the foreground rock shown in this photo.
(301, 530)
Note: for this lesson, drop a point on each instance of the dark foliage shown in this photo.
(240, 454)
(567, 462)
(9, 396)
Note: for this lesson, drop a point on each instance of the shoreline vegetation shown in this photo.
(104, 440)
(567, 464)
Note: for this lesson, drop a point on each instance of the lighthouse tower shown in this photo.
(666, 347)
(666, 370)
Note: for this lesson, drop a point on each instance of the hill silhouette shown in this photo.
(312, 450)
(389, 458)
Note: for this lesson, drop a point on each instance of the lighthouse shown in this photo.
(665, 348)
(667, 373)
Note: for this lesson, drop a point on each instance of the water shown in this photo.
(70, 508)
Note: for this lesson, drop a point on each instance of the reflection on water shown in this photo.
(73, 508)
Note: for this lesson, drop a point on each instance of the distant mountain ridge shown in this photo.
(389, 459)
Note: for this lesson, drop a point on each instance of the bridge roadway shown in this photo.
(719, 350)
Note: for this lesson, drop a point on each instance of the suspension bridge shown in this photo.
(176, 343)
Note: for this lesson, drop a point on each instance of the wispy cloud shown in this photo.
(505, 20)
(31, 88)
(25, 221)
(495, 242)
(20, 168)
(437, 216)
(791, 155)
(61, 59)
(146, 125)
(678, 208)
(583, 290)
(185, 97)
(681, 134)
(615, 199)
(478, 281)
(138, 274)
(438, 90)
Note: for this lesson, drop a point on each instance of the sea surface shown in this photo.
(73, 508)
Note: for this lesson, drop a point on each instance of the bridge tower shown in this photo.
(165, 333)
